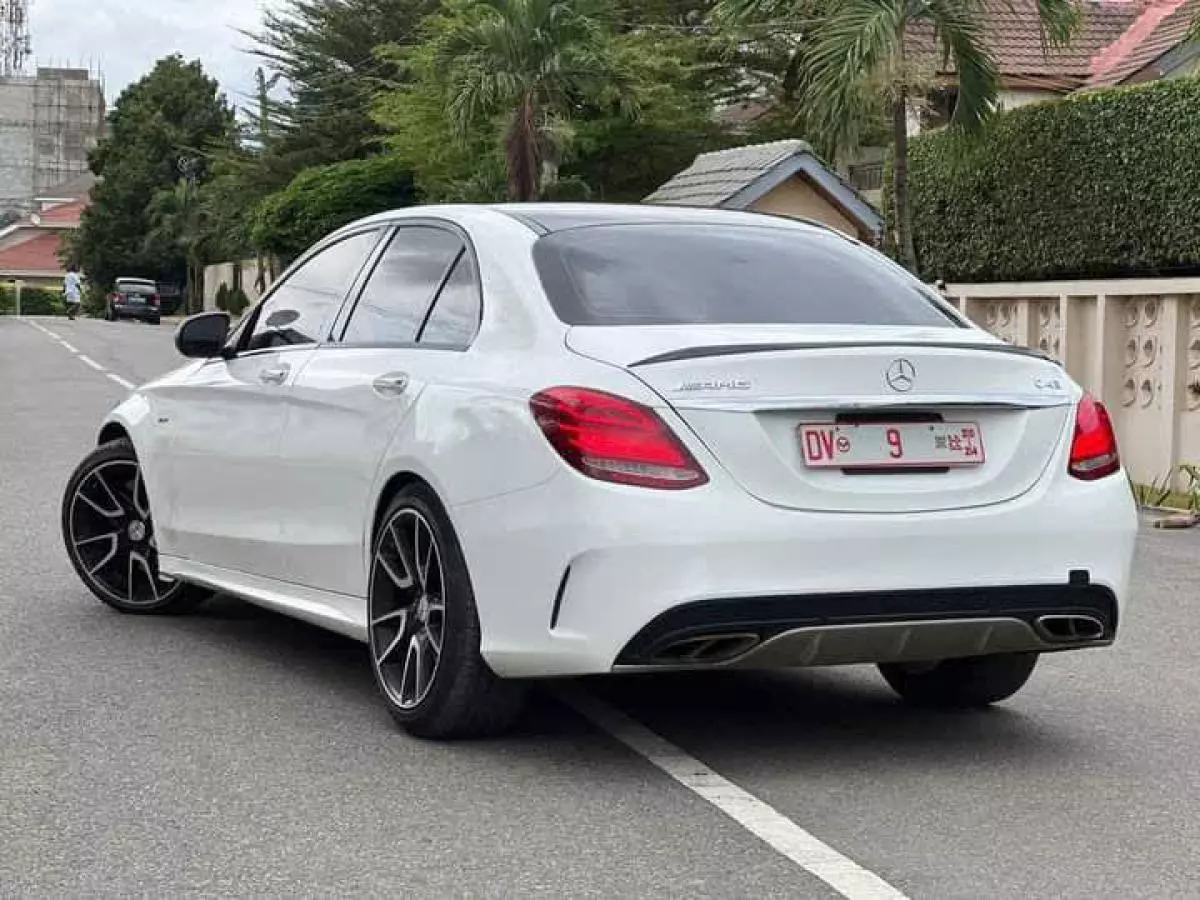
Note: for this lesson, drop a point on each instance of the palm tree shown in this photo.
(177, 225)
(866, 46)
(534, 62)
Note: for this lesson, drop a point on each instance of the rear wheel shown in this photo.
(960, 683)
(424, 628)
(109, 535)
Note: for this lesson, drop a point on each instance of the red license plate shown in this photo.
(883, 445)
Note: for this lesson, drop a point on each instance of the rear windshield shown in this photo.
(141, 290)
(673, 274)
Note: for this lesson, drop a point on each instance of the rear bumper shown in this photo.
(878, 626)
(573, 577)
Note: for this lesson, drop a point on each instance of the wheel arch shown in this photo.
(113, 431)
(390, 490)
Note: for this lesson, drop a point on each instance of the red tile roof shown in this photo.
(39, 254)
(1163, 25)
(1013, 32)
(64, 213)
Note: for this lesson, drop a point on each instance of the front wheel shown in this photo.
(109, 535)
(960, 683)
(424, 628)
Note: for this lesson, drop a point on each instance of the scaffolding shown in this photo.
(49, 123)
(15, 42)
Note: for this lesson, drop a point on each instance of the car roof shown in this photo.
(552, 217)
(546, 218)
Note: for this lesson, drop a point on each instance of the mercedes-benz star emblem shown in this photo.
(901, 375)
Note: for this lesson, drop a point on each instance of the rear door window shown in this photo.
(688, 274)
(398, 295)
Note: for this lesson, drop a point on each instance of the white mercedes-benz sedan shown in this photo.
(502, 443)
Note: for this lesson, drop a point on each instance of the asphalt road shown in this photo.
(236, 753)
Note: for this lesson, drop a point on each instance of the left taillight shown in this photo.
(1094, 451)
(154, 300)
(610, 438)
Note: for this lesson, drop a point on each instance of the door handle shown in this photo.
(277, 375)
(391, 385)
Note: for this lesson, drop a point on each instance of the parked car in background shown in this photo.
(134, 298)
(170, 298)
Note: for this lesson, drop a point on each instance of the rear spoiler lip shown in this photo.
(737, 349)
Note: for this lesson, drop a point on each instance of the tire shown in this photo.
(413, 607)
(961, 683)
(109, 536)
(155, 321)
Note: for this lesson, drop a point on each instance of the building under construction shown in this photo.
(49, 122)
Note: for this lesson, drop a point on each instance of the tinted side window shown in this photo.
(669, 274)
(398, 293)
(300, 311)
(455, 317)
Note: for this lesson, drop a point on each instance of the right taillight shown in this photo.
(610, 438)
(1094, 448)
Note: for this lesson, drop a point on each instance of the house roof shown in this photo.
(713, 178)
(63, 214)
(740, 176)
(37, 255)
(57, 217)
(1162, 26)
(1013, 32)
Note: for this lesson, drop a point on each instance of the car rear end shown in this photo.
(135, 299)
(806, 458)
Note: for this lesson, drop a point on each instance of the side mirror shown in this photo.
(203, 336)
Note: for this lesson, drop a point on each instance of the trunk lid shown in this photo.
(753, 394)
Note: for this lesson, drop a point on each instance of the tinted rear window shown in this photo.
(138, 290)
(665, 274)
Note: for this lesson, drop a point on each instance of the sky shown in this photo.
(123, 38)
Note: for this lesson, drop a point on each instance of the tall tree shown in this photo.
(868, 48)
(532, 62)
(174, 114)
(324, 50)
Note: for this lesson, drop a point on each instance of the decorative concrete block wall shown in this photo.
(1134, 343)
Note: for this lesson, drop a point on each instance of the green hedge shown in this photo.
(1096, 185)
(34, 301)
(323, 199)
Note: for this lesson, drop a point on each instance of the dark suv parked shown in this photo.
(134, 298)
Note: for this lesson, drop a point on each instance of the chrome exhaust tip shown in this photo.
(707, 648)
(1070, 628)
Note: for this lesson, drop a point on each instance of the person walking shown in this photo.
(73, 290)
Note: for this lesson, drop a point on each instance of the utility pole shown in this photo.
(265, 86)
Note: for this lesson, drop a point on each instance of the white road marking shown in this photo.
(43, 329)
(87, 360)
(817, 858)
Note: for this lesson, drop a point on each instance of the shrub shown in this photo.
(323, 199)
(237, 302)
(34, 301)
(1096, 185)
(222, 298)
(95, 301)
